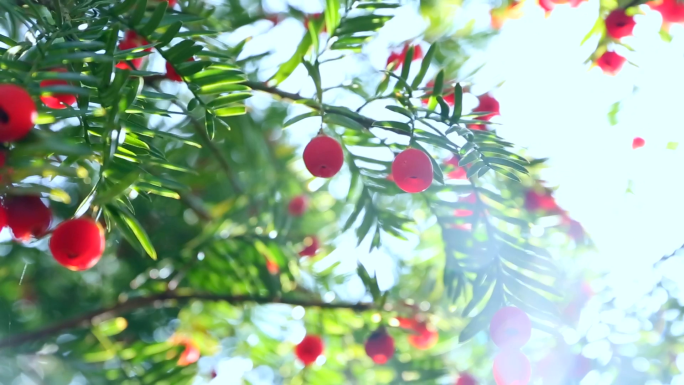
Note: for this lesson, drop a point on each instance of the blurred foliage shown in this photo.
(192, 182)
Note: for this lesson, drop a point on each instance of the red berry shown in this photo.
(315, 16)
(449, 99)
(380, 346)
(3, 217)
(487, 104)
(172, 3)
(17, 113)
(425, 338)
(77, 244)
(171, 73)
(311, 246)
(610, 62)
(466, 379)
(132, 40)
(619, 25)
(671, 10)
(412, 170)
(535, 201)
(309, 349)
(399, 56)
(510, 328)
(638, 143)
(190, 355)
(272, 266)
(27, 216)
(323, 156)
(57, 101)
(458, 172)
(298, 205)
(511, 367)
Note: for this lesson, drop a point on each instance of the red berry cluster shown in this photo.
(510, 329)
(76, 244)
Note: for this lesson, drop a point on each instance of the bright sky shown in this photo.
(556, 106)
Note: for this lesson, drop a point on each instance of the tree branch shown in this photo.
(87, 319)
(363, 120)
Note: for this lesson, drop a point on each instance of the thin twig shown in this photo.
(132, 304)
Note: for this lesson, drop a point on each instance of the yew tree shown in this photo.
(160, 215)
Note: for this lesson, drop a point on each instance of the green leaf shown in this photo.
(392, 124)
(332, 15)
(229, 99)
(139, 233)
(170, 33)
(210, 125)
(343, 121)
(458, 103)
(123, 7)
(507, 163)
(297, 118)
(117, 189)
(138, 12)
(155, 19)
(424, 66)
(400, 110)
(481, 321)
(406, 67)
(469, 158)
(530, 296)
(230, 111)
(315, 75)
(672, 145)
(289, 66)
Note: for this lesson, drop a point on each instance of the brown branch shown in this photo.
(87, 319)
(364, 121)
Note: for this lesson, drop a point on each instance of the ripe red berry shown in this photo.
(426, 336)
(132, 40)
(309, 349)
(466, 379)
(190, 354)
(399, 56)
(487, 104)
(380, 346)
(171, 73)
(27, 216)
(638, 143)
(172, 3)
(510, 328)
(17, 113)
(311, 246)
(323, 156)
(671, 10)
(511, 367)
(619, 25)
(3, 217)
(77, 244)
(610, 62)
(458, 171)
(57, 101)
(298, 205)
(412, 170)
(535, 201)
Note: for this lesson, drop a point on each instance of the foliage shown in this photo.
(193, 193)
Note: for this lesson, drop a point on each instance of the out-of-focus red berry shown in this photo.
(426, 336)
(399, 56)
(27, 216)
(638, 143)
(17, 113)
(314, 16)
(309, 349)
(449, 99)
(77, 244)
(510, 328)
(536, 201)
(619, 25)
(311, 246)
(412, 170)
(323, 156)
(380, 346)
(511, 367)
(57, 101)
(171, 73)
(190, 354)
(610, 62)
(466, 379)
(671, 10)
(298, 205)
(487, 103)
